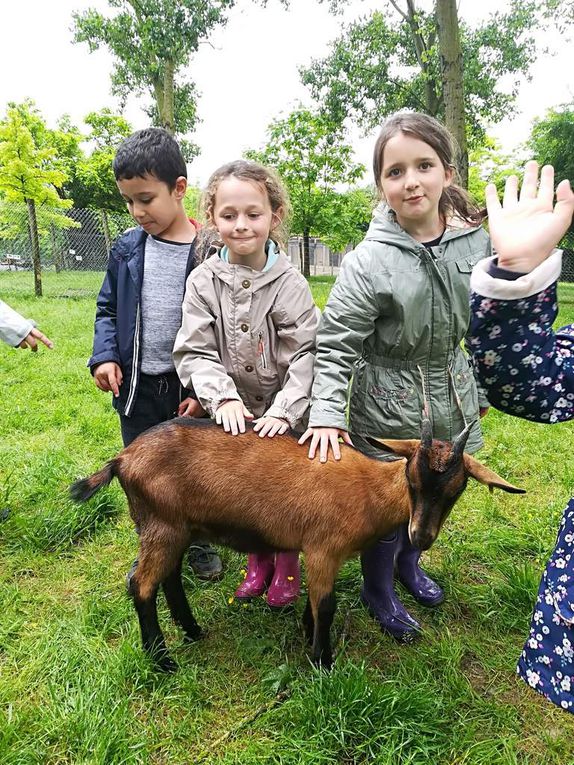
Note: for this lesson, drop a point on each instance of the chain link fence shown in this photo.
(73, 243)
(74, 246)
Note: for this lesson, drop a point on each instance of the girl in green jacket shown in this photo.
(393, 328)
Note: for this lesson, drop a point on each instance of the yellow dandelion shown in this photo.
(231, 599)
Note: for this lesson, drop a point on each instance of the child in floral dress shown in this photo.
(528, 371)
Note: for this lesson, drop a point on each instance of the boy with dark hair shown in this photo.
(139, 306)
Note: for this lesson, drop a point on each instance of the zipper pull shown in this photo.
(261, 351)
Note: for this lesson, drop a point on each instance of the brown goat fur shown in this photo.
(188, 479)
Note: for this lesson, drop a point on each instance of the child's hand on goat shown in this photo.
(524, 230)
(232, 415)
(190, 407)
(325, 438)
(270, 426)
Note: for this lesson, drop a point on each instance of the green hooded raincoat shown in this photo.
(396, 316)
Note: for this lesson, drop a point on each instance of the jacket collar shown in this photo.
(384, 228)
(230, 272)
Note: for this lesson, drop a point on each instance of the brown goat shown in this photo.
(188, 479)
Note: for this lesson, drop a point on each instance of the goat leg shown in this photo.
(179, 605)
(321, 574)
(309, 622)
(153, 640)
(322, 652)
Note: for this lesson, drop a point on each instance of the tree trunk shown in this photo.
(167, 110)
(422, 48)
(452, 81)
(306, 269)
(35, 245)
(106, 230)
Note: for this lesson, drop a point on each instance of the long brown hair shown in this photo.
(454, 200)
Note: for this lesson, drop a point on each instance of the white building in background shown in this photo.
(321, 259)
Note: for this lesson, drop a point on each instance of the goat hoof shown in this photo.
(324, 662)
(193, 636)
(165, 664)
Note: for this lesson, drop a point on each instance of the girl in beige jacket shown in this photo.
(247, 341)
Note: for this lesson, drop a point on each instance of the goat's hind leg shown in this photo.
(320, 609)
(179, 605)
(157, 560)
(309, 622)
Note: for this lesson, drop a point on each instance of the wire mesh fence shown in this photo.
(71, 242)
(74, 246)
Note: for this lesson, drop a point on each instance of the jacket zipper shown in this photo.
(135, 366)
(261, 351)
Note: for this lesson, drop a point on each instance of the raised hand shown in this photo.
(525, 229)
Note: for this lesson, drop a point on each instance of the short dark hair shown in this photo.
(152, 151)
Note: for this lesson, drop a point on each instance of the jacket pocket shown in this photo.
(385, 400)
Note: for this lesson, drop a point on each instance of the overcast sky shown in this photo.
(247, 77)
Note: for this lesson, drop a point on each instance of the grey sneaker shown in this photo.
(205, 562)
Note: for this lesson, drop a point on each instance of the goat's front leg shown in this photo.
(179, 605)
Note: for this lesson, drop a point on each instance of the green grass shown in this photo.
(75, 686)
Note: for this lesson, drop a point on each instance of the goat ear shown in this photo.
(488, 477)
(406, 447)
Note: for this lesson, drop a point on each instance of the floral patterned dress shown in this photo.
(528, 371)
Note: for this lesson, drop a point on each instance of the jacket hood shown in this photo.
(384, 228)
(229, 272)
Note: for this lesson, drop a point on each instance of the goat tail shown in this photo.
(82, 490)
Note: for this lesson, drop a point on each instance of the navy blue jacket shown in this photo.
(117, 329)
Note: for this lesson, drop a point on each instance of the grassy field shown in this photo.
(76, 688)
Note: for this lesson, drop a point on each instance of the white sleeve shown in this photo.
(13, 327)
(525, 286)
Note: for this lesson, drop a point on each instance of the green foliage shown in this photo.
(92, 183)
(29, 167)
(151, 42)
(488, 164)
(192, 202)
(390, 60)
(345, 217)
(312, 159)
(552, 141)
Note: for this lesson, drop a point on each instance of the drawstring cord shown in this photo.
(457, 397)
(426, 411)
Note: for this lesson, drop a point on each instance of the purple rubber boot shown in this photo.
(284, 589)
(378, 593)
(259, 572)
(410, 574)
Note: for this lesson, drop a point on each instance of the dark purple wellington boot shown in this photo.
(425, 590)
(378, 593)
(259, 572)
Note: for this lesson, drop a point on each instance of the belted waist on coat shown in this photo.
(392, 363)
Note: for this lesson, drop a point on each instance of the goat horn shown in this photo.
(426, 433)
(460, 442)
